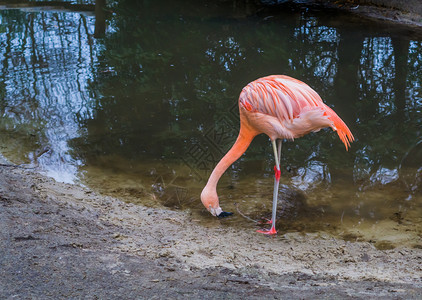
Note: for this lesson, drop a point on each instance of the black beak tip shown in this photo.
(224, 214)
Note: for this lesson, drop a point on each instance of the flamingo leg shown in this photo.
(277, 156)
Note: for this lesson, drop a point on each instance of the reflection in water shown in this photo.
(145, 111)
(47, 62)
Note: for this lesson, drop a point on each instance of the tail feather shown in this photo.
(343, 131)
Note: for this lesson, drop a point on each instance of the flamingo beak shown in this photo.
(224, 214)
(218, 212)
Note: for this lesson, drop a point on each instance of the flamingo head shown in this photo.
(209, 199)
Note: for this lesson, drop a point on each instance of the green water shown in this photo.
(145, 109)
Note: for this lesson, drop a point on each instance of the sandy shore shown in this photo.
(60, 241)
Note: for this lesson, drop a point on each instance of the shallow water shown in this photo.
(145, 109)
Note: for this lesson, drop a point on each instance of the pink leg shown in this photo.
(277, 174)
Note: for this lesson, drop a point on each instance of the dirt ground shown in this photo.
(65, 241)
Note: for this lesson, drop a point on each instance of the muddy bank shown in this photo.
(399, 12)
(410, 6)
(60, 241)
(406, 13)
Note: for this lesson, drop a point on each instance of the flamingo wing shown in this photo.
(294, 104)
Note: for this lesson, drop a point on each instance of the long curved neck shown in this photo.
(242, 143)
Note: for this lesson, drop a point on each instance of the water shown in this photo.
(140, 103)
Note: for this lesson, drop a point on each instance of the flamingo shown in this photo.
(283, 108)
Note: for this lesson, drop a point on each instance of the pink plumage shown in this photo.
(297, 107)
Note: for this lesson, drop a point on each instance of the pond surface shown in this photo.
(141, 103)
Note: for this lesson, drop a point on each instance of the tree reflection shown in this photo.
(44, 80)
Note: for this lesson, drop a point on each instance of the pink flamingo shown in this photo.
(283, 108)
